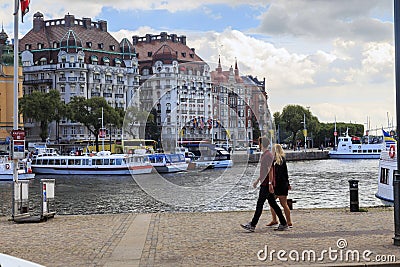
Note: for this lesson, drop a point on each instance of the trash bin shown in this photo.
(354, 205)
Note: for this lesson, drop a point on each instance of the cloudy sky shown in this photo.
(335, 57)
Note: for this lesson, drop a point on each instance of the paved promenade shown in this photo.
(204, 239)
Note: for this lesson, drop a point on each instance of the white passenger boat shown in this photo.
(167, 163)
(103, 163)
(368, 147)
(387, 169)
(7, 169)
(210, 156)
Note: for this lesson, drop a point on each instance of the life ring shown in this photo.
(392, 151)
(8, 166)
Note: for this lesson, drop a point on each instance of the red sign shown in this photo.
(18, 134)
(335, 133)
(102, 133)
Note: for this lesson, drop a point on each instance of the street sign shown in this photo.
(335, 133)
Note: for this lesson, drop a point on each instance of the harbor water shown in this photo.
(315, 184)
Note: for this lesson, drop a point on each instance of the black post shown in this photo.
(354, 205)
(396, 182)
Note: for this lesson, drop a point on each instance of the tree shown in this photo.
(43, 108)
(291, 120)
(135, 121)
(89, 113)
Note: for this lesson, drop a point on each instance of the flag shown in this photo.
(389, 140)
(24, 8)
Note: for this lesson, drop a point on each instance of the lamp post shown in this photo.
(396, 182)
(305, 133)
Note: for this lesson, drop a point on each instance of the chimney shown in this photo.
(87, 23)
(148, 38)
(135, 39)
(163, 36)
(103, 25)
(69, 20)
(183, 39)
(173, 38)
(38, 22)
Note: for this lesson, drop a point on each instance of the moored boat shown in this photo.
(7, 169)
(103, 163)
(387, 169)
(167, 163)
(210, 156)
(358, 148)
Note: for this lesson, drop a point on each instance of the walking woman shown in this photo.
(266, 190)
(281, 184)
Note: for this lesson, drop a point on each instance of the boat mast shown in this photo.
(102, 129)
(335, 134)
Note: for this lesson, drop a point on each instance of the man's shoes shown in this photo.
(282, 227)
(290, 225)
(248, 227)
(272, 224)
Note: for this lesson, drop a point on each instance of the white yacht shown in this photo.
(102, 163)
(7, 170)
(387, 169)
(368, 147)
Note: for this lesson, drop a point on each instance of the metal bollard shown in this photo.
(354, 205)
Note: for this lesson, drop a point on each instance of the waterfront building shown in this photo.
(77, 57)
(7, 86)
(240, 104)
(176, 83)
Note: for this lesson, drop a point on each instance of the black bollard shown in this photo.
(354, 207)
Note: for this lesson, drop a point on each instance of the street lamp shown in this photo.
(305, 133)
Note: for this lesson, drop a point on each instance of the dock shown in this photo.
(310, 154)
(206, 239)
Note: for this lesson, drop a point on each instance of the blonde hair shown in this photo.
(278, 153)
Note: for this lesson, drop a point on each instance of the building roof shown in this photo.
(51, 36)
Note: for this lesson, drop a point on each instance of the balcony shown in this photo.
(72, 79)
(96, 80)
(119, 95)
(107, 94)
(82, 79)
(95, 94)
(40, 81)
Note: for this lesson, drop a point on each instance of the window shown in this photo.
(112, 47)
(384, 179)
(101, 45)
(149, 54)
(89, 44)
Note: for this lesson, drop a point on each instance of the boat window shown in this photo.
(369, 151)
(99, 162)
(384, 176)
(85, 161)
(345, 139)
(118, 161)
(57, 162)
(70, 161)
(51, 161)
(45, 162)
(112, 161)
(106, 162)
(35, 161)
(63, 161)
(77, 161)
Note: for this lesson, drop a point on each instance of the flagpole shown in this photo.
(15, 110)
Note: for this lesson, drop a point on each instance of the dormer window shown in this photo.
(101, 45)
(28, 47)
(183, 54)
(149, 54)
(89, 44)
(40, 46)
(55, 44)
(112, 47)
(192, 55)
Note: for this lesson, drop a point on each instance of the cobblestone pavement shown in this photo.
(207, 239)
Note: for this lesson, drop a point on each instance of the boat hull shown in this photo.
(21, 176)
(214, 164)
(171, 168)
(93, 171)
(353, 156)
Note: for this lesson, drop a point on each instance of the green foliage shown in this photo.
(89, 113)
(43, 108)
(291, 124)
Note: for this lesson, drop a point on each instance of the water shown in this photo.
(315, 184)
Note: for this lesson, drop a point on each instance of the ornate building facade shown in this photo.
(77, 57)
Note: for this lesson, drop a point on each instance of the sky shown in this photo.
(334, 57)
